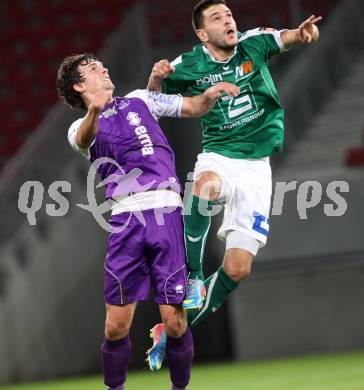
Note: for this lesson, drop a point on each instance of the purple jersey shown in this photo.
(145, 250)
(129, 134)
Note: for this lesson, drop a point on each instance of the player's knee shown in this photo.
(237, 264)
(238, 272)
(175, 325)
(208, 186)
(116, 329)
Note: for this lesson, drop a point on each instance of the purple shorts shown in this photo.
(140, 257)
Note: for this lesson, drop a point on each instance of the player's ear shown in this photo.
(79, 87)
(202, 35)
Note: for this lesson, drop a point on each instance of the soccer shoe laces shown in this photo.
(194, 287)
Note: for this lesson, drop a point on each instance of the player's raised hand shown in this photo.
(100, 99)
(89, 127)
(161, 70)
(308, 31)
(216, 91)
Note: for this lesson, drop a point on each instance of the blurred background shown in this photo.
(307, 290)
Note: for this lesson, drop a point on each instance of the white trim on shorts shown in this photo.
(237, 239)
(119, 282)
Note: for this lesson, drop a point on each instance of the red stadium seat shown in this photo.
(34, 37)
(355, 157)
(318, 7)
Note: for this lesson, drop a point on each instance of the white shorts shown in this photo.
(246, 194)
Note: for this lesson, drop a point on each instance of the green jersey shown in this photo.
(247, 126)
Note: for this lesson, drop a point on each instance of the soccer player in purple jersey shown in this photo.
(142, 252)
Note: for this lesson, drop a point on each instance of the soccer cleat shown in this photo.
(157, 352)
(195, 295)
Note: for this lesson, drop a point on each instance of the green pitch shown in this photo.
(330, 372)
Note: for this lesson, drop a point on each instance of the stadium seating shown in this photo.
(42, 32)
(169, 22)
(174, 18)
(34, 37)
(251, 14)
(318, 7)
(355, 156)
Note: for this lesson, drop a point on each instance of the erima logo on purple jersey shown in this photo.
(142, 133)
(144, 139)
(179, 289)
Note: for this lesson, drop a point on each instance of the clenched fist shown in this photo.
(162, 69)
(100, 99)
(217, 90)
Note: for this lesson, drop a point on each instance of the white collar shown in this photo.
(207, 51)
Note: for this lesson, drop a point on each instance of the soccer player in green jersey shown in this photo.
(239, 135)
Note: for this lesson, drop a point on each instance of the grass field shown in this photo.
(329, 372)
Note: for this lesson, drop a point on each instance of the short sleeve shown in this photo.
(175, 82)
(160, 104)
(267, 40)
(72, 138)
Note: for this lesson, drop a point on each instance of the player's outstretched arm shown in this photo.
(161, 70)
(306, 33)
(201, 104)
(90, 124)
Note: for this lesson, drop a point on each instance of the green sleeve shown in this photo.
(266, 41)
(178, 81)
(174, 85)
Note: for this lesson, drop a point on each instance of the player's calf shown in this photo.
(174, 320)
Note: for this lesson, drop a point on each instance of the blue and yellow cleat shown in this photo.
(158, 351)
(195, 295)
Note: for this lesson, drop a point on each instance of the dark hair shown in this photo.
(200, 7)
(68, 75)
